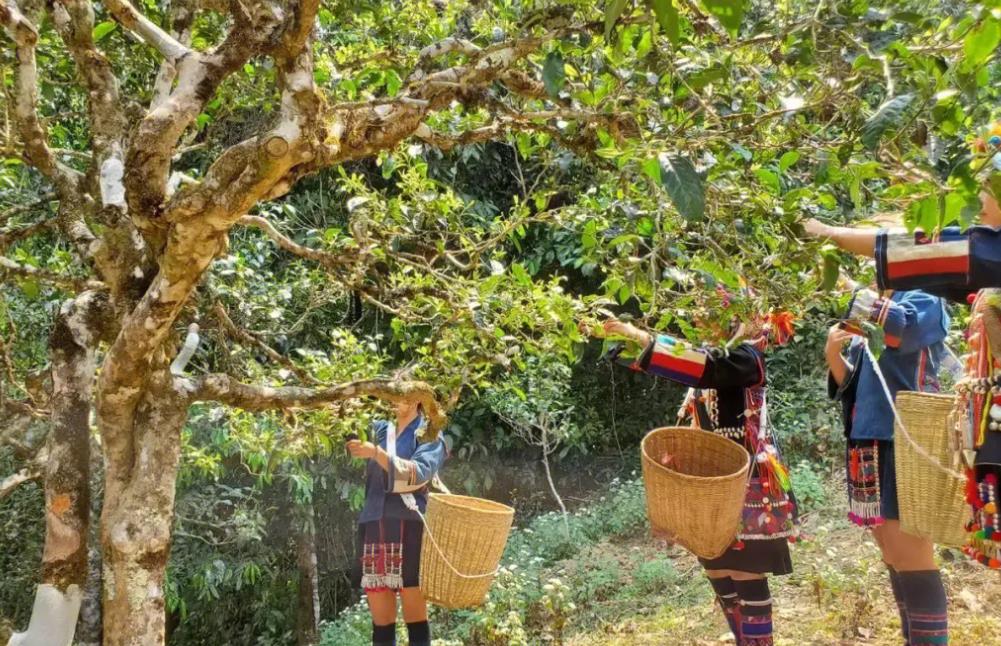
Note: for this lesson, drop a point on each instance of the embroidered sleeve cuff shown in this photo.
(675, 360)
(403, 476)
(869, 306)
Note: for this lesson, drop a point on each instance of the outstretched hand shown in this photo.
(816, 229)
(615, 327)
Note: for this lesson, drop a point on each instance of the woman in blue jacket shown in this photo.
(400, 467)
(914, 325)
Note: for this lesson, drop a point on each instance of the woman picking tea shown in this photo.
(914, 325)
(728, 398)
(401, 464)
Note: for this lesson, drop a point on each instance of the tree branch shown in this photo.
(324, 258)
(15, 480)
(74, 20)
(79, 284)
(249, 338)
(32, 131)
(30, 206)
(10, 236)
(182, 17)
(224, 389)
(198, 77)
(147, 30)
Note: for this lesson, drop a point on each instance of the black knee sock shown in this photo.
(755, 612)
(384, 635)
(726, 594)
(927, 611)
(419, 633)
(898, 594)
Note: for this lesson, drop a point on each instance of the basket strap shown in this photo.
(439, 485)
(920, 450)
(411, 503)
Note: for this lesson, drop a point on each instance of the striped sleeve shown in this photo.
(914, 261)
(678, 361)
(406, 476)
(869, 306)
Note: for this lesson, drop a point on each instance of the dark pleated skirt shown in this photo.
(769, 556)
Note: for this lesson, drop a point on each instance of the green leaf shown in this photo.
(730, 13)
(103, 29)
(702, 78)
(961, 209)
(651, 168)
(589, 237)
(667, 16)
(554, 74)
(832, 266)
(613, 9)
(889, 115)
(393, 82)
(981, 43)
(521, 274)
(684, 186)
(769, 179)
(31, 289)
(788, 160)
(923, 214)
(876, 337)
(994, 183)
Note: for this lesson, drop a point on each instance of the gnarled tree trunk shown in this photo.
(67, 476)
(137, 519)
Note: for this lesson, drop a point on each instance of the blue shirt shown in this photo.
(917, 323)
(409, 472)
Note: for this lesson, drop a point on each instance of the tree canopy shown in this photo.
(225, 225)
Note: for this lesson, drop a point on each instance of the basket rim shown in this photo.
(455, 500)
(924, 395)
(689, 429)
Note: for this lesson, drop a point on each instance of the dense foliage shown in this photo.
(639, 155)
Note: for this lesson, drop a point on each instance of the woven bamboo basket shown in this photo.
(468, 533)
(931, 497)
(697, 503)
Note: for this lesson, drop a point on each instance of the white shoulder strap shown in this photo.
(391, 440)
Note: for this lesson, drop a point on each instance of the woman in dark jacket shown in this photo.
(728, 398)
(400, 468)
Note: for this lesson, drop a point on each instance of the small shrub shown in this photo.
(654, 576)
(809, 485)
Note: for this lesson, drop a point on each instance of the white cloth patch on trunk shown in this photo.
(53, 617)
(112, 188)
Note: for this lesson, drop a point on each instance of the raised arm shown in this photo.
(861, 242)
(677, 360)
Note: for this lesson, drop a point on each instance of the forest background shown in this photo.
(468, 182)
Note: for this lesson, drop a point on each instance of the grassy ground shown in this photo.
(839, 595)
(604, 582)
